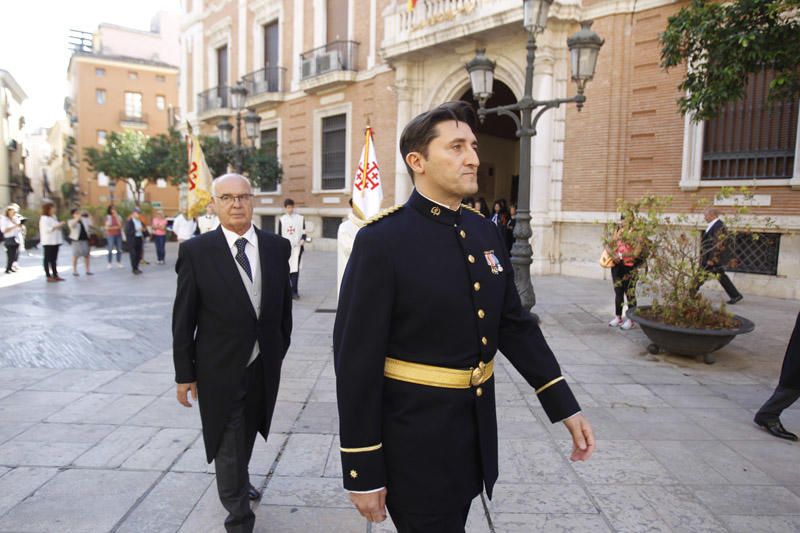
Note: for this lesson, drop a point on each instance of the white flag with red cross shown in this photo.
(367, 186)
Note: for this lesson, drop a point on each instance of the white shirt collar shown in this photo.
(231, 237)
(437, 203)
(711, 224)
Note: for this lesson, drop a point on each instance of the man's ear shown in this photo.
(416, 161)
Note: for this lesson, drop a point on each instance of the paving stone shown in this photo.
(161, 450)
(75, 380)
(653, 508)
(139, 383)
(318, 417)
(209, 515)
(561, 523)
(16, 453)
(284, 417)
(65, 498)
(33, 406)
(333, 464)
(584, 374)
(160, 364)
(306, 491)
(19, 483)
(57, 432)
(97, 408)
(324, 390)
(5, 392)
(623, 395)
(167, 413)
(749, 524)
(539, 498)
(518, 423)
(301, 368)
(168, 504)
(9, 430)
(776, 458)
(261, 462)
(682, 460)
(529, 461)
(305, 455)
(728, 424)
(290, 519)
(115, 448)
(748, 499)
(295, 389)
(12, 378)
(661, 423)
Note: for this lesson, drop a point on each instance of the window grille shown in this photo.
(754, 253)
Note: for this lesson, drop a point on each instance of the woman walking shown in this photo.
(159, 228)
(51, 237)
(12, 231)
(623, 273)
(113, 228)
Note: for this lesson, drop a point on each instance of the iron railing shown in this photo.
(214, 98)
(334, 56)
(139, 118)
(266, 80)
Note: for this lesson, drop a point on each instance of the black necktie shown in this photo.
(241, 257)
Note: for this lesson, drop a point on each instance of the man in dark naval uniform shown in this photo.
(786, 393)
(427, 299)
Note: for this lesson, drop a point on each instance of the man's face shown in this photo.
(234, 215)
(210, 209)
(289, 209)
(710, 215)
(451, 168)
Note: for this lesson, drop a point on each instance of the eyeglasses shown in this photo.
(229, 199)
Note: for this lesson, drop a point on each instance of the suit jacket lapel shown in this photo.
(229, 272)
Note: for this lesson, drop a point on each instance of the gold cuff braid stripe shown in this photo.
(361, 450)
(549, 384)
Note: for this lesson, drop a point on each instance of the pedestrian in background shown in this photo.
(183, 227)
(80, 228)
(50, 236)
(113, 227)
(209, 221)
(786, 393)
(480, 205)
(135, 232)
(292, 226)
(23, 232)
(512, 223)
(623, 274)
(12, 230)
(715, 254)
(159, 228)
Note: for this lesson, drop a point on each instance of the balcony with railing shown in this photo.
(437, 21)
(133, 120)
(329, 65)
(265, 85)
(214, 101)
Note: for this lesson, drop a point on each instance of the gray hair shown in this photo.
(226, 176)
(711, 211)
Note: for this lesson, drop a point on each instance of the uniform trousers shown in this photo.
(449, 522)
(236, 447)
(781, 399)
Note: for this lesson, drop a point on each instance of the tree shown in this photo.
(124, 157)
(722, 43)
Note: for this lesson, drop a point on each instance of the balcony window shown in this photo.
(133, 75)
(269, 144)
(334, 151)
(161, 102)
(161, 78)
(99, 72)
(101, 137)
(334, 56)
(133, 105)
(100, 96)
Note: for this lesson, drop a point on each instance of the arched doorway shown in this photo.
(498, 147)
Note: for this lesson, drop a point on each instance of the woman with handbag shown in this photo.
(80, 228)
(12, 233)
(50, 237)
(622, 257)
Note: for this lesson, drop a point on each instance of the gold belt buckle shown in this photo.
(477, 374)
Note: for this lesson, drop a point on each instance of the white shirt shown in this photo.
(251, 251)
(11, 234)
(711, 225)
(49, 234)
(207, 223)
(183, 229)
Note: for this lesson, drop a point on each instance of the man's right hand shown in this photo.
(371, 505)
(183, 393)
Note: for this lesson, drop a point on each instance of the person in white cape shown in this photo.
(291, 226)
(345, 237)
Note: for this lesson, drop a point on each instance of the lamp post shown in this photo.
(584, 47)
(251, 122)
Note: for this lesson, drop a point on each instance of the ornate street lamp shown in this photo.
(238, 99)
(251, 122)
(225, 130)
(584, 47)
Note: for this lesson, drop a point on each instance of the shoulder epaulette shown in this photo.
(468, 208)
(383, 214)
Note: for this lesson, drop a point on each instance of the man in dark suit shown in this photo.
(715, 254)
(231, 326)
(786, 393)
(427, 299)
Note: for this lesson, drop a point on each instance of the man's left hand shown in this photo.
(582, 437)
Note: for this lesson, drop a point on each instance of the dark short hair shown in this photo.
(73, 210)
(108, 211)
(419, 133)
(288, 202)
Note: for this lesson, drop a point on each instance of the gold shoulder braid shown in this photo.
(468, 208)
(385, 213)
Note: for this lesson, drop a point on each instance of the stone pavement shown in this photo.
(92, 439)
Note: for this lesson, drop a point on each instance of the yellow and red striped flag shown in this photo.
(411, 4)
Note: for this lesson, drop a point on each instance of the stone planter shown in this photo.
(688, 341)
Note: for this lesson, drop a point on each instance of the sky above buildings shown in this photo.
(33, 44)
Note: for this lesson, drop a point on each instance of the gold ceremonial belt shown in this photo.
(437, 376)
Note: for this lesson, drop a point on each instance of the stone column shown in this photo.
(404, 93)
(541, 163)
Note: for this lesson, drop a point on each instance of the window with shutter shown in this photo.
(334, 156)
